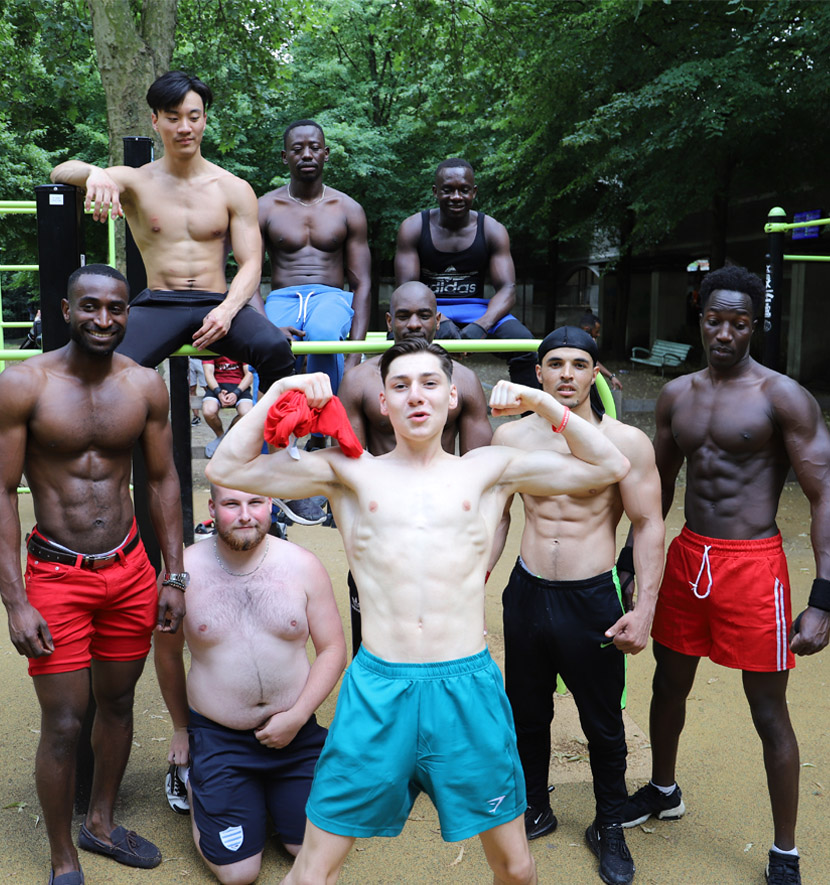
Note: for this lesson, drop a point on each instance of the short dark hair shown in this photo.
(415, 345)
(454, 163)
(296, 125)
(169, 91)
(96, 270)
(734, 279)
(588, 320)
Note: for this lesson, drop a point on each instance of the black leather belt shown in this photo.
(45, 551)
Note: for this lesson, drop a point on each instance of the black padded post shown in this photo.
(60, 249)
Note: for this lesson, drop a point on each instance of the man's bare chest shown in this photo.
(69, 419)
(291, 230)
(163, 214)
(735, 422)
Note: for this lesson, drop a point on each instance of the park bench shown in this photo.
(662, 354)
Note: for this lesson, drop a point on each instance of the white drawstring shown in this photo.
(704, 562)
(303, 308)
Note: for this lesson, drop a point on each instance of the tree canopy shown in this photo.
(586, 121)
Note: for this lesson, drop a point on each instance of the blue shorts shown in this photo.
(444, 728)
(468, 310)
(236, 780)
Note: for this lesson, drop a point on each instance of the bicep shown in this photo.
(807, 441)
(324, 624)
(407, 260)
(475, 429)
(246, 239)
(640, 488)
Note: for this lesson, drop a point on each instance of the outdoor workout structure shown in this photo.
(776, 229)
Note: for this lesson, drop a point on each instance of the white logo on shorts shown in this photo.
(495, 803)
(232, 838)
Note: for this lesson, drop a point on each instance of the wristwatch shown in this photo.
(179, 580)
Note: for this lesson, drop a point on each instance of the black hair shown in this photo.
(415, 345)
(169, 90)
(296, 124)
(734, 279)
(589, 320)
(454, 163)
(96, 270)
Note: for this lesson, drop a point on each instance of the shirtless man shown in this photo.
(725, 594)
(417, 526)
(412, 314)
(71, 418)
(316, 239)
(252, 603)
(184, 211)
(451, 249)
(563, 607)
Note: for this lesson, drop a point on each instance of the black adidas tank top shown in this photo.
(454, 274)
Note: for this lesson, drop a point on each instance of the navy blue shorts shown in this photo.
(235, 780)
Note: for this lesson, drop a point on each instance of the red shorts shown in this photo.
(726, 600)
(107, 614)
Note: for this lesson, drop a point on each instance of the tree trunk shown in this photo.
(720, 212)
(132, 52)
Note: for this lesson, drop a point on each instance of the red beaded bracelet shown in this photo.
(564, 423)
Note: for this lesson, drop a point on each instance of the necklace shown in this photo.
(238, 574)
(304, 202)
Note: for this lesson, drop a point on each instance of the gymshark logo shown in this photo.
(495, 803)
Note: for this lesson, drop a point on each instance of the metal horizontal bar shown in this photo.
(776, 227)
(19, 267)
(807, 258)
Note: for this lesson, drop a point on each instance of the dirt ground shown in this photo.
(722, 840)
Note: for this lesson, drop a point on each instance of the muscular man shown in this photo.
(184, 211)
(412, 314)
(252, 603)
(452, 249)
(725, 594)
(422, 706)
(315, 237)
(563, 608)
(71, 417)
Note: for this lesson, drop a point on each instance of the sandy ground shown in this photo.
(723, 838)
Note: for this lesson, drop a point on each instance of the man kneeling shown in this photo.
(253, 601)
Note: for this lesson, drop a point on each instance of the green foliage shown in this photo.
(583, 119)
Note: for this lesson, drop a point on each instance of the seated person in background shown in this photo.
(589, 322)
(227, 386)
(196, 378)
(253, 601)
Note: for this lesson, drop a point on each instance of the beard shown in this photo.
(239, 544)
(76, 334)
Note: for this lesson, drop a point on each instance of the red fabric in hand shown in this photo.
(292, 414)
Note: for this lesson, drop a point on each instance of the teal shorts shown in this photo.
(444, 728)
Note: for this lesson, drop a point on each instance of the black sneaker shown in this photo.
(304, 511)
(782, 869)
(607, 841)
(195, 421)
(176, 791)
(648, 802)
(539, 823)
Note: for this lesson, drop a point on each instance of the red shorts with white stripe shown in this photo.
(726, 600)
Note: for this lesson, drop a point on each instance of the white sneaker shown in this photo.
(175, 785)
